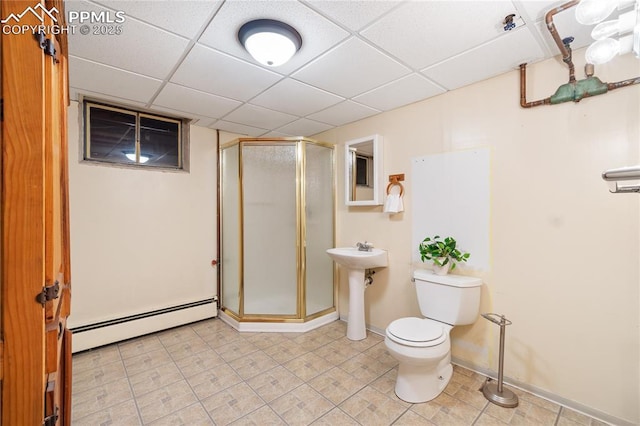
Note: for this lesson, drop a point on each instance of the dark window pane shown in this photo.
(112, 135)
(131, 137)
(159, 142)
(362, 171)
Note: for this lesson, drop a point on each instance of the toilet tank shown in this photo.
(452, 299)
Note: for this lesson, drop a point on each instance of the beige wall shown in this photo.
(141, 240)
(564, 251)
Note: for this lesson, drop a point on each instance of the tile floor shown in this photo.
(207, 373)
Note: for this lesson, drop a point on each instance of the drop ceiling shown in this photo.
(358, 58)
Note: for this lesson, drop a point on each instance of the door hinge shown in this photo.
(48, 293)
(52, 419)
(47, 45)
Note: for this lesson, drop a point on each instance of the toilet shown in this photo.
(422, 345)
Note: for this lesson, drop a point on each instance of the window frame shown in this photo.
(182, 137)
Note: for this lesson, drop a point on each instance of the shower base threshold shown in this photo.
(279, 327)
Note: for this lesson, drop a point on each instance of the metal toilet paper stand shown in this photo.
(495, 392)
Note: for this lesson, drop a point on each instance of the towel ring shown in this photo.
(391, 184)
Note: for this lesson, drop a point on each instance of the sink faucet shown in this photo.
(364, 246)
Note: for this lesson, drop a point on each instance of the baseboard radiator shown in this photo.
(105, 332)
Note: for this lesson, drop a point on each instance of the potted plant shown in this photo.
(443, 253)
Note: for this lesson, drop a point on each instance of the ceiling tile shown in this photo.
(97, 78)
(194, 101)
(184, 17)
(296, 98)
(140, 48)
(181, 114)
(303, 127)
(205, 122)
(427, 32)
(406, 90)
(262, 118)
(377, 55)
(240, 129)
(218, 73)
(75, 94)
(343, 113)
(338, 73)
(497, 56)
(274, 134)
(318, 33)
(354, 14)
(535, 10)
(567, 26)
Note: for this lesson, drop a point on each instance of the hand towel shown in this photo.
(393, 204)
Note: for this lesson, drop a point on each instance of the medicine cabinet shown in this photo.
(363, 171)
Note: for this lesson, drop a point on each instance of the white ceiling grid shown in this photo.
(358, 58)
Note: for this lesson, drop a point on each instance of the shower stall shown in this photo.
(277, 218)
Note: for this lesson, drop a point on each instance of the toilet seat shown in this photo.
(417, 332)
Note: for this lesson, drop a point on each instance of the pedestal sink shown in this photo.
(356, 261)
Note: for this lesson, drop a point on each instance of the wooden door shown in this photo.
(36, 356)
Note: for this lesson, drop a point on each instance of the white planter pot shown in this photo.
(441, 270)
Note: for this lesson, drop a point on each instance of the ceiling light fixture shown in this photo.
(590, 12)
(624, 24)
(614, 37)
(270, 42)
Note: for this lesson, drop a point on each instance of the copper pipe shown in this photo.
(523, 91)
(623, 83)
(565, 50)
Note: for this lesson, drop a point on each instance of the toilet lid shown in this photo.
(417, 330)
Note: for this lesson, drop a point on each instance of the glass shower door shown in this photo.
(270, 229)
(319, 220)
(230, 233)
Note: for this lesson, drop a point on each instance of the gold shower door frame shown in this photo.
(301, 230)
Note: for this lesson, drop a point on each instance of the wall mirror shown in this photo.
(363, 171)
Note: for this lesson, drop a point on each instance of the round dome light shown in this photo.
(270, 42)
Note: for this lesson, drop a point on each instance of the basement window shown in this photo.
(135, 138)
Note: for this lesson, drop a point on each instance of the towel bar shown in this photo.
(623, 173)
(392, 184)
(395, 180)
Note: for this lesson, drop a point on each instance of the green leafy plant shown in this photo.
(441, 251)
